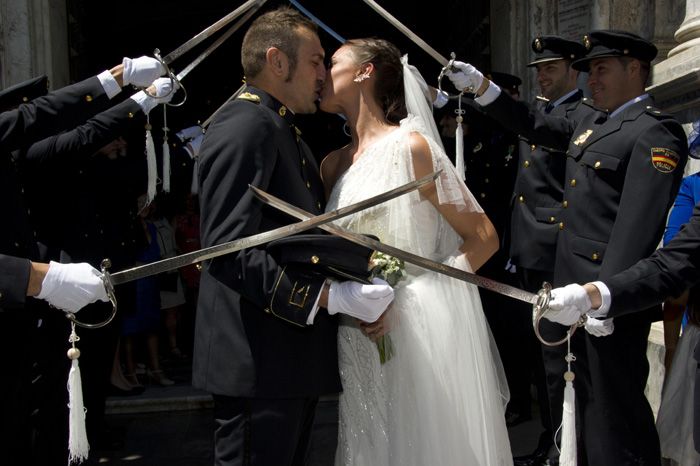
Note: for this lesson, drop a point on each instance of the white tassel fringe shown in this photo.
(567, 456)
(78, 447)
(459, 149)
(152, 165)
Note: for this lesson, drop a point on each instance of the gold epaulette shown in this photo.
(249, 97)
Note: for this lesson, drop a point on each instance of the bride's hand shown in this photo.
(380, 327)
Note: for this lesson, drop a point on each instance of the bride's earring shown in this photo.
(361, 77)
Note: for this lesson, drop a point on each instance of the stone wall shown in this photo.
(33, 41)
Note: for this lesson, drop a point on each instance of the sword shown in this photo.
(407, 32)
(540, 301)
(249, 8)
(165, 265)
(210, 30)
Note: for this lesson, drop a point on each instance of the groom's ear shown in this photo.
(277, 61)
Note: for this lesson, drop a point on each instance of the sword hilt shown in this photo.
(443, 72)
(109, 288)
(540, 307)
(173, 81)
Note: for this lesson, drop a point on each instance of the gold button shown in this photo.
(597, 164)
(572, 183)
(131, 115)
(594, 256)
(552, 219)
(482, 195)
(267, 310)
(521, 199)
(308, 185)
(88, 98)
(526, 164)
(303, 161)
(565, 204)
(561, 225)
(318, 204)
(282, 111)
(315, 259)
(533, 147)
(198, 266)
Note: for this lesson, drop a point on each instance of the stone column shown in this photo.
(34, 41)
(676, 80)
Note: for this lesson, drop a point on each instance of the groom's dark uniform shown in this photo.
(253, 349)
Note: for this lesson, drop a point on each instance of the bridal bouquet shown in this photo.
(391, 270)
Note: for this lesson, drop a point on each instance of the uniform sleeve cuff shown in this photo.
(606, 299)
(314, 310)
(489, 95)
(109, 84)
(441, 99)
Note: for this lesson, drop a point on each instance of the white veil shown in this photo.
(418, 101)
(450, 185)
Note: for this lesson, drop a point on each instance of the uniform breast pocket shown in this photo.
(548, 214)
(590, 249)
(600, 161)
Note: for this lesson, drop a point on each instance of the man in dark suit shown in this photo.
(263, 345)
(22, 272)
(668, 272)
(535, 213)
(624, 166)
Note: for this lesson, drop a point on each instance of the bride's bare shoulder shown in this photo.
(334, 164)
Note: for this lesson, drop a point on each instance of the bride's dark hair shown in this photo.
(387, 76)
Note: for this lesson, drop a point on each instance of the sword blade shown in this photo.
(206, 33)
(482, 282)
(190, 258)
(219, 41)
(407, 32)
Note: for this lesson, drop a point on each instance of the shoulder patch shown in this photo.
(664, 160)
(249, 97)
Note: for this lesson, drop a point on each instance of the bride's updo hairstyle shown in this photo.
(387, 76)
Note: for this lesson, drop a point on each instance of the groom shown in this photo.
(265, 335)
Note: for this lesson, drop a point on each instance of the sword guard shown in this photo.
(109, 288)
(443, 72)
(173, 81)
(540, 307)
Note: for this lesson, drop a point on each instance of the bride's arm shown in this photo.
(480, 240)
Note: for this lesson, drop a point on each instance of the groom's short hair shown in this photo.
(277, 28)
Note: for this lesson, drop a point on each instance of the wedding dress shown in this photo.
(440, 399)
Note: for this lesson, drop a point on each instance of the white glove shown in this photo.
(364, 302)
(568, 304)
(162, 86)
(458, 260)
(599, 328)
(142, 71)
(70, 287)
(189, 133)
(466, 77)
(193, 146)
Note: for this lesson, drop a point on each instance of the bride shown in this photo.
(440, 399)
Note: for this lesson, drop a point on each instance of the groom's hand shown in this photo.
(364, 302)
